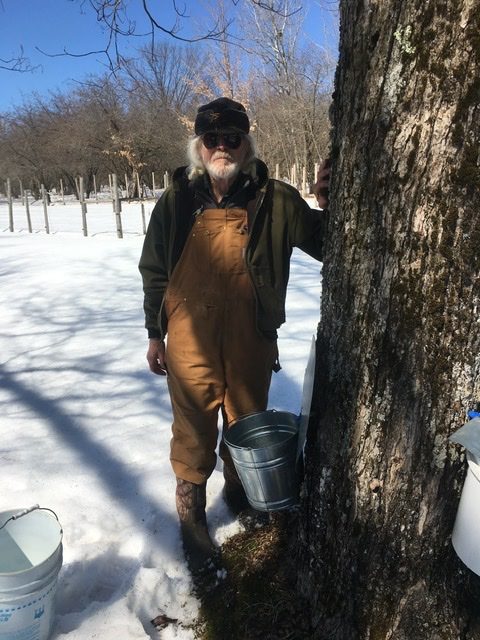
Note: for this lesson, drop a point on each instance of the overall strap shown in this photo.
(185, 205)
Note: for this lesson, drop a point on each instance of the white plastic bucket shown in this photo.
(466, 532)
(30, 560)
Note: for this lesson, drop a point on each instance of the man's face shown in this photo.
(221, 155)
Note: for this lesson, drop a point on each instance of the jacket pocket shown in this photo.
(270, 301)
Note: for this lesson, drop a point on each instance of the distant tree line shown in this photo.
(138, 120)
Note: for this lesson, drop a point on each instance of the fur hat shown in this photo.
(221, 114)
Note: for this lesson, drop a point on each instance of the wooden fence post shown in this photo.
(10, 204)
(304, 181)
(144, 225)
(277, 171)
(27, 211)
(126, 186)
(83, 206)
(110, 182)
(293, 175)
(22, 192)
(153, 183)
(140, 195)
(45, 208)
(117, 206)
(165, 180)
(62, 192)
(95, 188)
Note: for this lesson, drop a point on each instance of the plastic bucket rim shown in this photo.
(56, 551)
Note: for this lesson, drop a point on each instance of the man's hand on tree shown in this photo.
(320, 188)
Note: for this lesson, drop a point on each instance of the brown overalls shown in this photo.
(215, 356)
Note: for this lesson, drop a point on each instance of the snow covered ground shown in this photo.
(86, 427)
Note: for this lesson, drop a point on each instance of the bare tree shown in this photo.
(25, 143)
(291, 93)
(61, 137)
(163, 75)
(226, 71)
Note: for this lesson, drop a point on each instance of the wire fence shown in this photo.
(110, 208)
(69, 215)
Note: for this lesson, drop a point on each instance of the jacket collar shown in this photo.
(243, 190)
(259, 176)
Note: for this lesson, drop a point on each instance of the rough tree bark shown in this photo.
(398, 343)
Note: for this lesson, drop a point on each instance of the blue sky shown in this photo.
(55, 25)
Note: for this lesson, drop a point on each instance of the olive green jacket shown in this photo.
(279, 219)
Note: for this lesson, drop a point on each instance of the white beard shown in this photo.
(220, 170)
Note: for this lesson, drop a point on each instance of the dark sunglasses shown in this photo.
(231, 140)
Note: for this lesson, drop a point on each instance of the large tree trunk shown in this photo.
(398, 344)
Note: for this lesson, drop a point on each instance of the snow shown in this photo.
(86, 426)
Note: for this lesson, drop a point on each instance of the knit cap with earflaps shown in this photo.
(220, 115)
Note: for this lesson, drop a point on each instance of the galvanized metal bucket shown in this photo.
(263, 447)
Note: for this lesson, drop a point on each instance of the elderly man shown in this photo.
(215, 267)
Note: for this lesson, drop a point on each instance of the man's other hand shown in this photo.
(156, 356)
(320, 188)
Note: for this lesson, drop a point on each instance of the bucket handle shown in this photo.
(24, 512)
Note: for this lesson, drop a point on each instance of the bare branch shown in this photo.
(19, 63)
(112, 65)
(70, 54)
(212, 34)
(113, 16)
(182, 13)
(274, 7)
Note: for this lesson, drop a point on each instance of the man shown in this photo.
(215, 267)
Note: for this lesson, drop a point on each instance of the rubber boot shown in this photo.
(233, 491)
(200, 552)
(236, 498)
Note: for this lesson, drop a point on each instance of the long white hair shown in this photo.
(197, 168)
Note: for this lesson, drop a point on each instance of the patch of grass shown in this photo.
(257, 597)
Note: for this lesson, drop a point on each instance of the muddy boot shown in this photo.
(200, 552)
